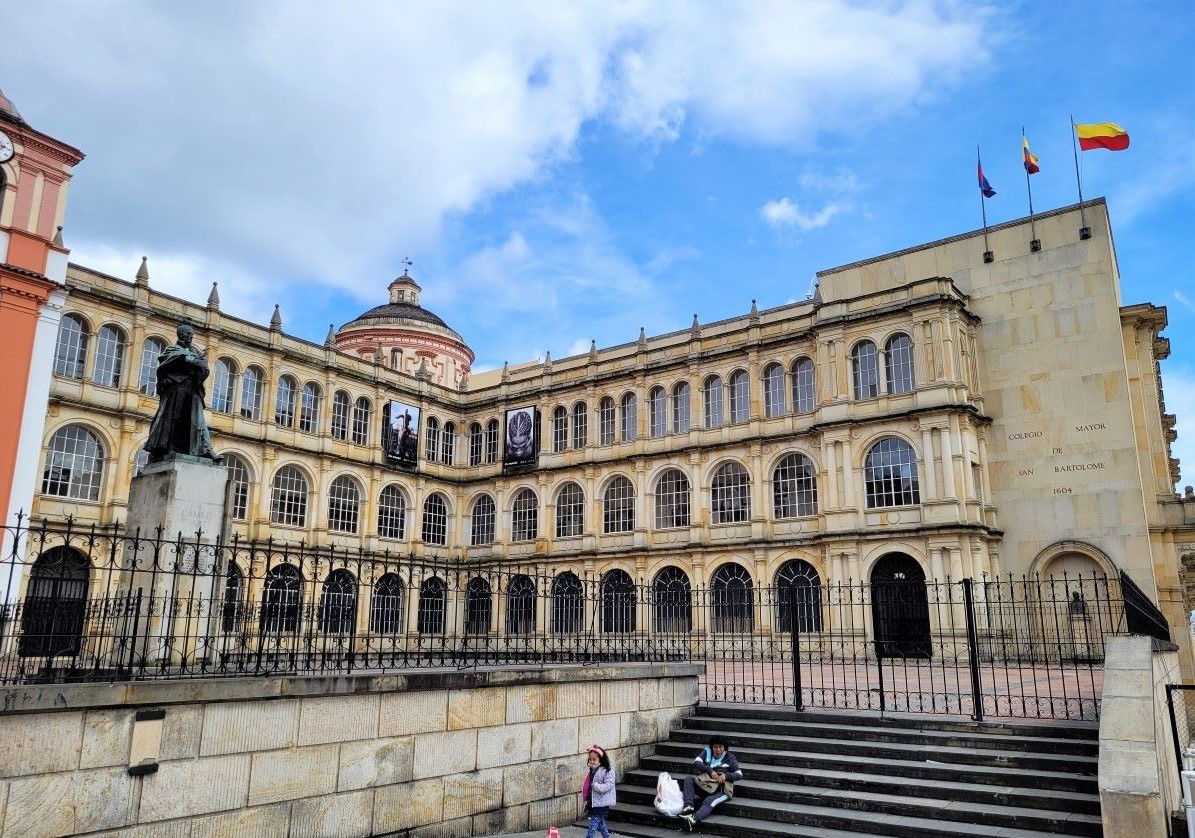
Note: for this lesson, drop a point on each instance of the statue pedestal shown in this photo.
(176, 576)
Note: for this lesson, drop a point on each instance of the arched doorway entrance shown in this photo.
(55, 605)
(900, 608)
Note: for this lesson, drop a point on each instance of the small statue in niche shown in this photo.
(179, 426)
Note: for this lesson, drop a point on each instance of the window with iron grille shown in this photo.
(281, 600)
(580, 425)
(340, 415)
(570, 511)
(479, 606)
(392, 513)
(672, 602)
(559, 429)
(239, 480)
(773, 391)
(223, 385)
(711, 399)
(433, 602)
(338, 603)
(491, 441)
(435, 520)
(448, 443)
(618, 602)
(74, 464)
(475, 442)
(524, 516)
(681, 396)
(606, 421)
(730, 494)
(794, 487)
(799, 592)
(630, 419)
(672, 500)
(385, 609)
(618, 506)
(890, 474)
(804, 397)
(568, 604)
(898, 364)
(732, 600)
(362, 412)
(147, 378)
(288, 498)
(520, 605)
(483, 521)
(656, 412)
(864, 372)
(309, 408)
(70, 352)
(740, 396)
(344, 504)
(252, 386)
(284, 406)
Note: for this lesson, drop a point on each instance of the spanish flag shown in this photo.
(1107, 135)
(1030, 158)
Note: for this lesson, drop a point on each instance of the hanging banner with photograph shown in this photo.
(522, 438)
(400, 443)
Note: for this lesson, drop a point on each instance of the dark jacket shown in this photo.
(705, 762)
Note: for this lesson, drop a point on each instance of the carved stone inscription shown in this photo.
(1067, 463)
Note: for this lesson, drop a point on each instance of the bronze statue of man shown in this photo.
(179, 426)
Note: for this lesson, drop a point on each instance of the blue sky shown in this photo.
(567, 172)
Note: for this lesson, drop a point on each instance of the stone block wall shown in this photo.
(441, 754)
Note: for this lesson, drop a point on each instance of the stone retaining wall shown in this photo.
(422, 754)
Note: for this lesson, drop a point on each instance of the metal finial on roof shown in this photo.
(754, 311)
(406, 271)
(276, 320)
(143, 271)
(213, 299)
(330, 340)
(58, 236)
(642, 338)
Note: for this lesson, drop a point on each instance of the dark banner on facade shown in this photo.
(401, 441)
(522, 438)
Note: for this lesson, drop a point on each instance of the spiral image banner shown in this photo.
(521, 449)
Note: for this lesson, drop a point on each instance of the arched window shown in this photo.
(344, 504)
(864, 373)
(482, 521)
(898, 364)
(385, 610)
(338, 603)
(340, 415)
(147, 377)
(559, 429)
(520, 605)
(672, 500)
(224, 382)
(681, 396)
(618, 505)
(233, 607)
(431, 441)
(890, 474)
(74, 464)
(475, 442)
(433, 602)
(618, 602)
(730, 494)
(309, 408)
(491, 442)
(55, 607)
(630, 418)
(732, 599)
(568, 604)
(448, 444)
(240, 478)
(252, 384)
(580, 425)
(281, 600)
(711, 400)
(740, 396)
(524, 516)
(804, 397)
(284, 405)
(392, 512)
(109, 356)
(773, 391)
(606, 421)
(657, 421)
(70, 353)
(570, 511)
(672, 602)
(479, 606)
(362, 414)
(794, 487)
(799, 592)
(288, 498)
(435, 520)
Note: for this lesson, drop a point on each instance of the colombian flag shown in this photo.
(1107, 135)
(1030, 158)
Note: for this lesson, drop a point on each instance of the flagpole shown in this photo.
(1034, 244)
(983, 208)
(1084, 230)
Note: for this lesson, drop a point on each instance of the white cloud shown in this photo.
(787, 213)
(1184, 300)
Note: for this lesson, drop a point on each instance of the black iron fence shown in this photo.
(97, 603)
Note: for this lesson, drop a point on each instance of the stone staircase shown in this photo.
(825, 775)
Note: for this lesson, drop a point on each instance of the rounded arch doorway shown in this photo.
(900, 608)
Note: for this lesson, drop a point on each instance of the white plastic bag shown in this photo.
(669, 800)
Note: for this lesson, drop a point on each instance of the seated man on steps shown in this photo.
(716, 771)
